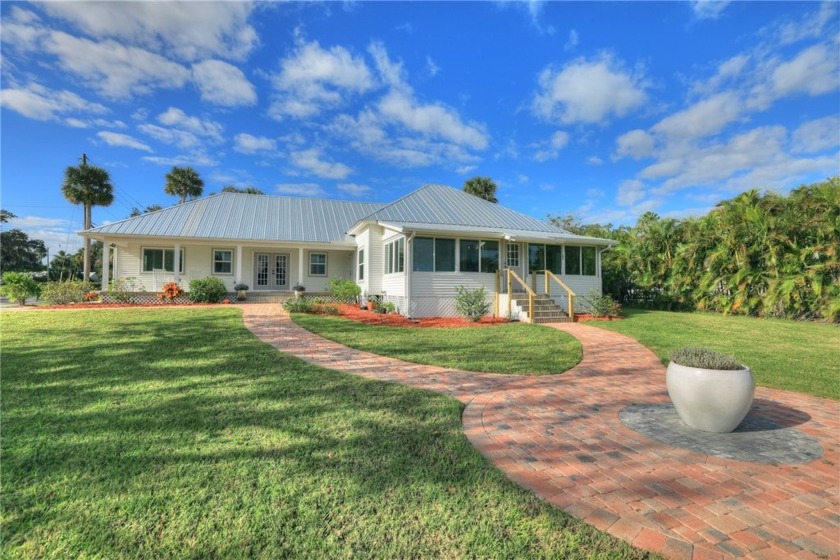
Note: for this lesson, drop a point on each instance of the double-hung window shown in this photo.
(161, 259)
(361, 274)
(433, 255)
(395, 256)
(317, 264)
(222, 261)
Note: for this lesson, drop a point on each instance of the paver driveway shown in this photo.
(560, 436)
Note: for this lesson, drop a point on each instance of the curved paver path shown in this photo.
(560, 436)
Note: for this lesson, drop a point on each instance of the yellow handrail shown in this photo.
(565, 287)
(528, 290)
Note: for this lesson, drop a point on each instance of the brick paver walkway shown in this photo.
(560, 436)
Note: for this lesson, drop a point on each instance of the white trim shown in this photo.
(143, 249)
(326, 259)
(213, 261)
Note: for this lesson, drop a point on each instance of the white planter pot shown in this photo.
(711, 400)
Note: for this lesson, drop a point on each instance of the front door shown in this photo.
(271, 271)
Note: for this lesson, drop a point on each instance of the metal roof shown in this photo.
(439, 205)
(251, 217)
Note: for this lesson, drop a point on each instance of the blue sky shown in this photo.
(606, 110)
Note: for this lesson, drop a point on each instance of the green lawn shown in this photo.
(175, 433)
(507, 348)
(797, 356)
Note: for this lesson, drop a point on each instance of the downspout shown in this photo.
(408, 266)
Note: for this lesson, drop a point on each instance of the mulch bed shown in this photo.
(353, 313)
(585, 317)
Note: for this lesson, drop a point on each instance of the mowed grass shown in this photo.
(507, 348)
(175, 433)
(783, 354)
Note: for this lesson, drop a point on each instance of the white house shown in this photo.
(413, 252)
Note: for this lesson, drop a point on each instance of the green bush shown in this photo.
(299, 305)
(18, 286)
(69, 291)
(207, 290)
(602, 305)
(472, 304)
(704, 358)
(121, 289)
(345, 291)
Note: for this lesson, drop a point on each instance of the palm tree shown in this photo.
(89, 186)
(482, 187)
(184, 182)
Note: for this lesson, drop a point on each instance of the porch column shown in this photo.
(300, 266)
(106, 250)
(177, 263)
(239, 263)
(116, 258)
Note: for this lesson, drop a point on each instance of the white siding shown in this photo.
(338, 265)
(362, 243)
(581, 285)
(376, 260)
(433, 293)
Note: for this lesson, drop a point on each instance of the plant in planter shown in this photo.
(389, 307)
(299, 290)
(711, 392)
(241, 290)
(372, 303)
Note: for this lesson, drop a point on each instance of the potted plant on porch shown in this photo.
(711, 392)
(241, 290)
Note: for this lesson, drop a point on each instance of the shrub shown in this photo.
(345, 291)
(170, 291)
(603, 305)
(18, 286)
(389, 307)
(241, 287)
(121, 289)
(93, 295)
(472, 304)
(62, 293)
(704, 358)
(328, 310)
(298, 305)
(207, 290)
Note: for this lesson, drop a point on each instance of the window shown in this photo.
(469, 255)
(554, 258)
(513, 255)
(222, 261)
(436, 255)
(361, 264)
(588, 256)
(572, 260)
(395, 256)
(155, 259)
(317, 264)
(536, 258)
(489, 256)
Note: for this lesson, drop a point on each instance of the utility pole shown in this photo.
(87, 207)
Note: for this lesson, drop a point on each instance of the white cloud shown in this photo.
(817, 135)
(194, 159)
(311, 160)
(431, 119)
(558, 141)
(708, 9)
(594, 160)
(811, 25)
(572, 41)
(353, 189)
(88, 123)
(40, 103)
(200, 127)
(636, 144)
(122, 140)
(464, 169)
(115, 70)
(630, 192)
(390, 72)
(180, 138)
(432, 69)
(37, 221)
(313, 79)
(184, 29)
(704, 118)
(249, 144)
(814, 71)
(221, 83)
(300, 189)
(588, 91)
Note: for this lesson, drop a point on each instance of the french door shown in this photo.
(271, 271)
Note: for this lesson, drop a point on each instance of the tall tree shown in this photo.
(19, 253)
(89, 186)
(246, 190)
(482, 187)
(184, 182)
(150, 208)
(63, 267)
(5, 216)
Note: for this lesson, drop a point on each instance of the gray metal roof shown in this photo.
(238, 216)
(439, 205)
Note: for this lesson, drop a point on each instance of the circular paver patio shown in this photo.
(561, 436)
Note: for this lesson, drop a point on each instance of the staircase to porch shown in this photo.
(545, 310)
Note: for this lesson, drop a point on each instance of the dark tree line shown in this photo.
(766, 255)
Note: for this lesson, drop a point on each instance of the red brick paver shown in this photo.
(560, 437)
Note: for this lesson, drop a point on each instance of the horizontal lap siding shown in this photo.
(433, 293)
(581, 285)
